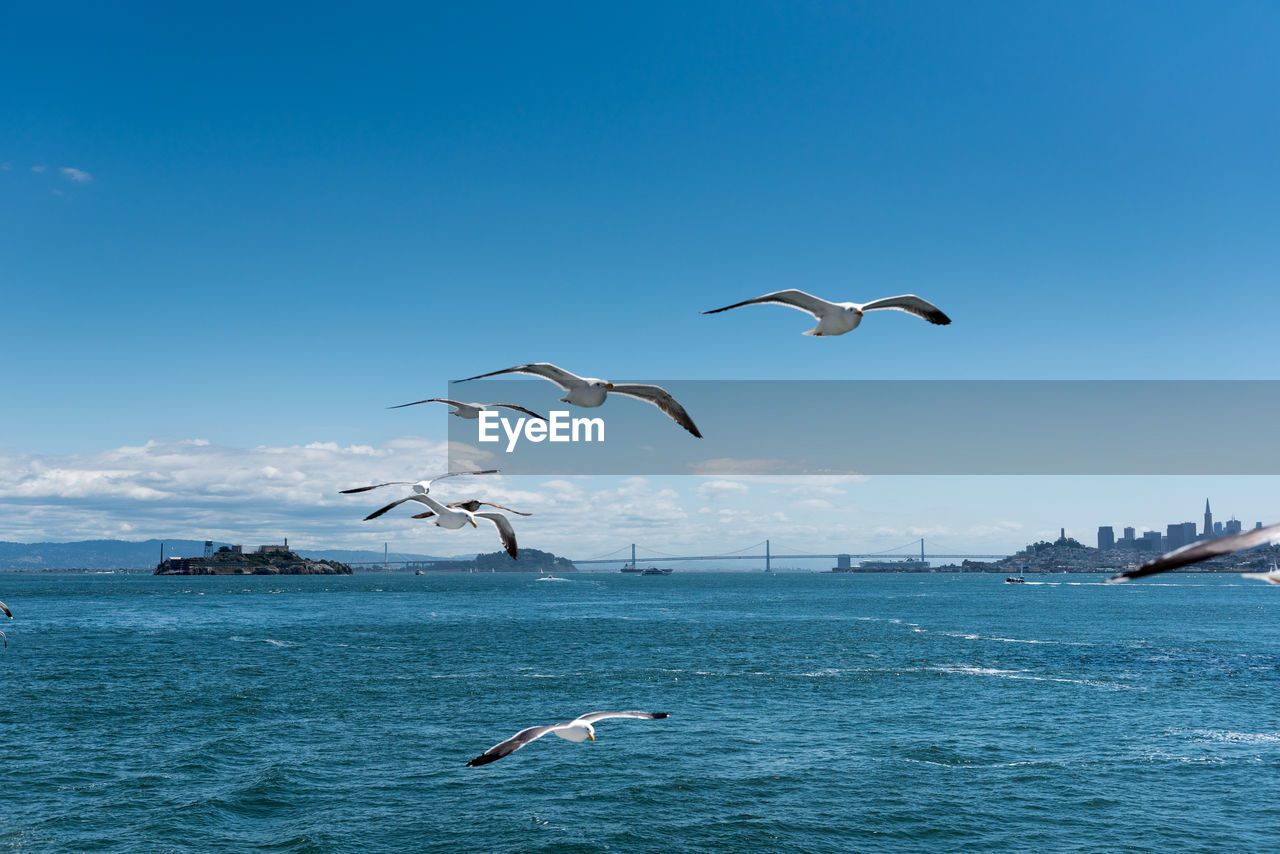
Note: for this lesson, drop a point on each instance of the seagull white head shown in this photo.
(422, 487)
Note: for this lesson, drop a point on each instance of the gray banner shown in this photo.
(917, 427)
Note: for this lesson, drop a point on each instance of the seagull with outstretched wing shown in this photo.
(420, 488)
(470, 411)
(577, 730)
(837, 318)
(472, 505)
(591, 392)
(454, 516)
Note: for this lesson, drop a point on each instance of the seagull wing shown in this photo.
(375, 486)
(911, 304)
(518, 409)
(456, 473)
(9, 614)
(474, 504)
(376, 513)
(661, 398)
(6, 639)
(1196, 552)
(793, 298)
(511, 745)
(429, 400)
(504, 528)
(592, 717)
(546, 370)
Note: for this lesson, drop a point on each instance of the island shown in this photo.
(234, 560)
(531, 560)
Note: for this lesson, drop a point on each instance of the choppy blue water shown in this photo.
(808, 713)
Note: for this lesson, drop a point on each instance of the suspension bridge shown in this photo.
(843, 559)
(762, 551)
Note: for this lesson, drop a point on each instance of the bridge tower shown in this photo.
(767, 559)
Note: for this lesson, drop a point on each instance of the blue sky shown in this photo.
(284, 219)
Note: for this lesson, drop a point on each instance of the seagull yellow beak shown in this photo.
(473, 523)
(590, 736)
(608, 385)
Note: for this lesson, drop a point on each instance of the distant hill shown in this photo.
(531, 560)
(123, 554)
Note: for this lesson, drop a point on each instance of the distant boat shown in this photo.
(631, 567)
(653, 570)
(419, 572)
(1015, 579)
(1273, 576)
(551, 578)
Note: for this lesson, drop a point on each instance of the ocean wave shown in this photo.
(1226, 736)
(268, 641)
(973, 670)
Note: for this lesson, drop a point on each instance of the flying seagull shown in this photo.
(589, 391)
(1196, 552)
(579, 729)
(455, 516)
(420, 488)
(470, 411)
(472, 506)
(837, 318)
(5, 610)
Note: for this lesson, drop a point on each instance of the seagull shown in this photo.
(577, 730)
(456, 516)
(472, 506)
(837, 318)
(420, 488)
(470, 411)
(590, 392)
(1196, 552)
(5, 610)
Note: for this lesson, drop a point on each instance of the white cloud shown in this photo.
(77, 175)
(39, 168)
(714, 489)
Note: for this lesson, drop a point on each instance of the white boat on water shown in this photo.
(551, 578)
(1273, 576)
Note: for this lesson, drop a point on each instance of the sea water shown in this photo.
(809, 712)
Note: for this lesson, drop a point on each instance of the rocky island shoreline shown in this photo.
(267, 560)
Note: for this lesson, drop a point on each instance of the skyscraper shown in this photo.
(1106, 537)
(1208, 519)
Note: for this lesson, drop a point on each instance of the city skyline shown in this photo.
(1176, 534)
